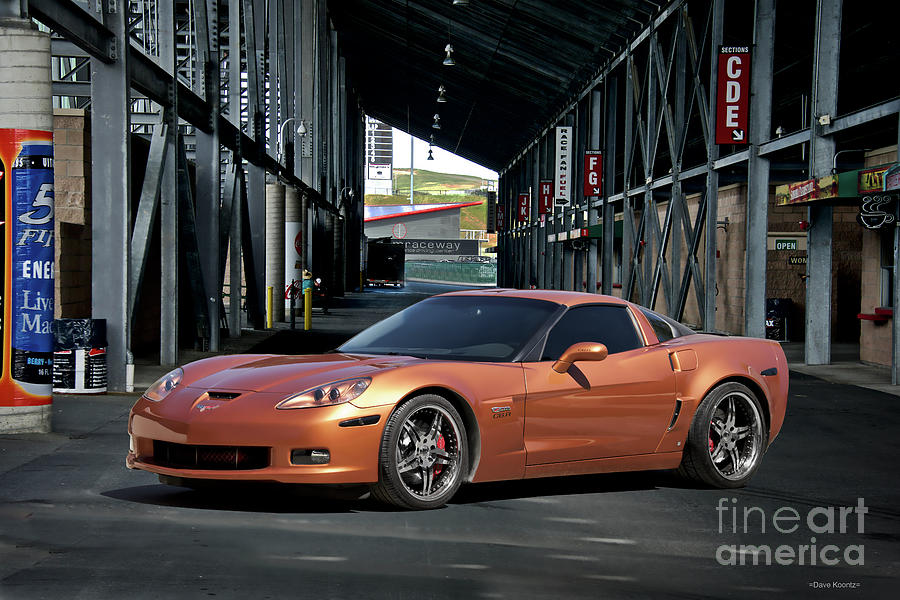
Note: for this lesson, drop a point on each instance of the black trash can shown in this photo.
(777, 310)
(79, 356)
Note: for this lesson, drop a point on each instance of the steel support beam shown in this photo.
(758, 170)
(111, 194)
(821, 155)
(537, 242)
(67, 18)
(712, 178)
(168, 195)
(146, 214)
(610, 136)
(208, 159)
(595, 126)
(895, 323)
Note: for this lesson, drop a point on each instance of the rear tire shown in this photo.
(423, 455)
(727, 439)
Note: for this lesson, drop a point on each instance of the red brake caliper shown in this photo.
(712, 446)
(442, 445)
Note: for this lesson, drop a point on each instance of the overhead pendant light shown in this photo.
(437, 121)
(430, 157)
(448, 59)
(431, 140)
(441, 97)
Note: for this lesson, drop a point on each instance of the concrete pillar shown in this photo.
(275, 229)
(26, 115)
(294, 238)
(305, 227)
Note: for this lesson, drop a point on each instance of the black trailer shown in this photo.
(386, 263)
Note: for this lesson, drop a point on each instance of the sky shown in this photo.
(444, 162)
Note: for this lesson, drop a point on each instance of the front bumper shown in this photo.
(254, 422)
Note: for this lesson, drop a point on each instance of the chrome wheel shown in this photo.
(736, 435)
(427, 453)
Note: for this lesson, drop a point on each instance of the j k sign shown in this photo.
(733, 95)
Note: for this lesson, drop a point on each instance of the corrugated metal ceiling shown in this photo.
(517, 63)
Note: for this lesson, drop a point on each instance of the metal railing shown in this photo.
(452, 272)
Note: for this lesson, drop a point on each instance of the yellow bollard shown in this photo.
(307, 309)
(269, 293)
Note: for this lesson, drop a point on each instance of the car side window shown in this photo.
(610, 325)
(662, 329)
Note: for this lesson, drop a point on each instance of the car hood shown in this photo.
(290, 374)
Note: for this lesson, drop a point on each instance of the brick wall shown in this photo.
(72, 184)
(874, 339)
(731, 242)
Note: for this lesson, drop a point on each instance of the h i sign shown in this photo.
(593, 173)
(545, 196)
(733, 95)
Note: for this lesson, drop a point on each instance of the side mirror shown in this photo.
(580, 351)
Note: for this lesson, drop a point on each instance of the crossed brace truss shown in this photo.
(214, 87)
(666, 101)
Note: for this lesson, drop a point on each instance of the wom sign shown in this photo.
(733, 95)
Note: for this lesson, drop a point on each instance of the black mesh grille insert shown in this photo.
(214, 458)
(222, 395)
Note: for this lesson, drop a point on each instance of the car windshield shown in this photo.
(474, 328)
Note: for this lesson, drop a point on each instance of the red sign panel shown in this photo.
(501, 216)
(593, 173)
(733, 95)
(545, 196)
(524, 205)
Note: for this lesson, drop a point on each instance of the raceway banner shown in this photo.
(26, 179)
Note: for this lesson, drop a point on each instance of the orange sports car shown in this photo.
(468, 387)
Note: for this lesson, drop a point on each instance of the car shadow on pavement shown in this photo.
(567, 486)
(247, 497)
(265, 497)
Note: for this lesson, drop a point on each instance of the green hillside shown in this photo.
(471, 217)
(430, 181)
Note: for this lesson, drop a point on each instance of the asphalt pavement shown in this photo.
(75, 523)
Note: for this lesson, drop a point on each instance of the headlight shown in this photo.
(164, 385)
(327, 395)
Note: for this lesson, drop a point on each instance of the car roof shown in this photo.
(558, 296)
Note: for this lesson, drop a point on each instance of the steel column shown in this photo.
(712, 177)
(609, 174)
(821, 155)
(208, 162)
(168, 196)
(895, 323)
(537, 243)
(111, 195)
(758, 170)
(596, 124)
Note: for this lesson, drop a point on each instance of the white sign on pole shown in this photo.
(563, 190)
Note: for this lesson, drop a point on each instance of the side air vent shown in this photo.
(675, 414)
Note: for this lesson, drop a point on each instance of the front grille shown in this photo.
(213, 458)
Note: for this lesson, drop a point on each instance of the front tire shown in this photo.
(727, 439)
(423, 456)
